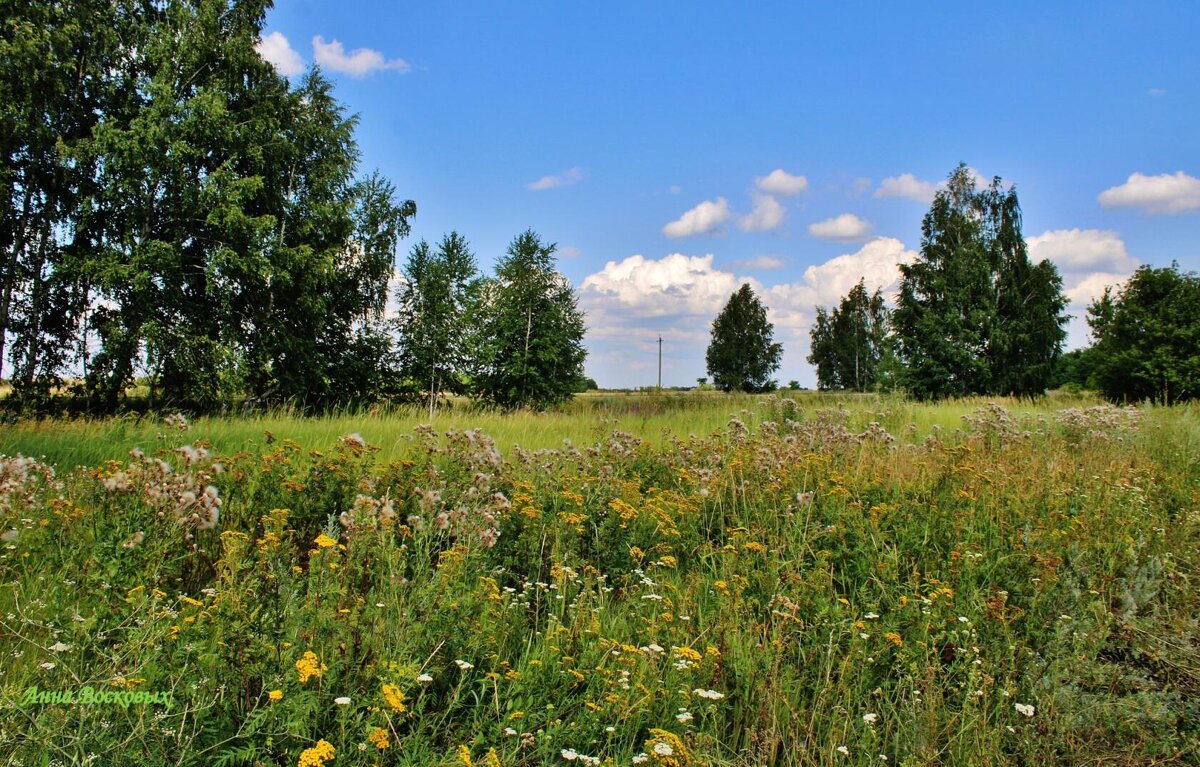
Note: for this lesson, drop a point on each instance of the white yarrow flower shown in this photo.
(871, 718)
(424, 678)
(1023, 708)
(464, 665)
(342, 701)
(59, 647)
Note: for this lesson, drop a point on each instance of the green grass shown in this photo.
(87, 441)
(789, 586)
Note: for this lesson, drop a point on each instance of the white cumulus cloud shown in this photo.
(279, 53)
(1082, 250)
(1089, 260)
(359, 62)
(705, 218)
(780, 182)
(906, 185)
(632, 302)
(876, 262)
(845, 228)
(568, 177)
(672, 285)
(1164, 194)
(767, 214)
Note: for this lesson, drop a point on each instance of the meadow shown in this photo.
(662, 580)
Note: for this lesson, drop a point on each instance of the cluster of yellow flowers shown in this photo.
(309, 666)
(379, 738)
(317, 755)
(324, 541)
(394, 697)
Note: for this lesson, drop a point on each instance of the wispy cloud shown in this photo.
(760, 263)
(1156, 92)
(279, 53)
(359, 62)
(568, 177)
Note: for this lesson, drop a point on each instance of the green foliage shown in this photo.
(852, 346)
(974, 316)
(179, 212)
(1073, 370)
(1147, 337)
(742, 354)
(531, 339)
(434, 324)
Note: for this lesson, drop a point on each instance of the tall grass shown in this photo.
(807, 581)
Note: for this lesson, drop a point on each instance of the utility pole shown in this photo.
(660, 362)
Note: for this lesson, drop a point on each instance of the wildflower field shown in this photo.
(709, 581)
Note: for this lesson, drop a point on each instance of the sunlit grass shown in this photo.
(822, 580)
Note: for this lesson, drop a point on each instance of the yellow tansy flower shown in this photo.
(394, 697)
(310, 666)
(316, 756)
(379, 738)
(275, 695)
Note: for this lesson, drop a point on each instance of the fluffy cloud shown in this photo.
(1164, 194)
(1089, 260)
(780, 182)
(906, 185)
(1082, 250)
(568, 177)
(630, 303)
(672, 285)
(705, 218)
(845, 228)
(876, 263)
(358, 63)
(279, 53)
(767, 214)
(1156, 92)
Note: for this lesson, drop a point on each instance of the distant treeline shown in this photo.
(975, 316)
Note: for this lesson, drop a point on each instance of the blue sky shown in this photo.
(675, 150)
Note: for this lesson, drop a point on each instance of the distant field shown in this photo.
(694, 579)
(87, 441)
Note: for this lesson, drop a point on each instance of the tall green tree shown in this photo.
(230, 248)
(440, 288)
(54, 82)
(851, 345)
(742, 353)
(974, 316)
(1147, 337)
(531, 345)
